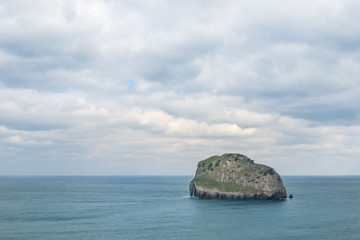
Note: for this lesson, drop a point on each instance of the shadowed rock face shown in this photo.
(235, 176)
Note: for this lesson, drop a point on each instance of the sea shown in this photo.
(159, 207)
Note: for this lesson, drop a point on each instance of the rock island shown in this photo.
(235, 176)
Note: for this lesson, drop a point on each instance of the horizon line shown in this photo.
(158, 175)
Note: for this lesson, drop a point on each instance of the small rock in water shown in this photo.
(291, 196)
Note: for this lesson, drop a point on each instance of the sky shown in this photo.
(130, 87)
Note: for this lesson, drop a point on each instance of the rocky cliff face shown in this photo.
(235, 176)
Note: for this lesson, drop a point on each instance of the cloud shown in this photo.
(18, 140)
(96, 87)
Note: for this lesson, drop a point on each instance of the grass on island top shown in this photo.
(247, 165)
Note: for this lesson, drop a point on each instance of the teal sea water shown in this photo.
(160, 208)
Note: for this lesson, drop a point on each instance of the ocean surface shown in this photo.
(160, 208)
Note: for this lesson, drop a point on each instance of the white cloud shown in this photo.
(104, 85)
(18, 140)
